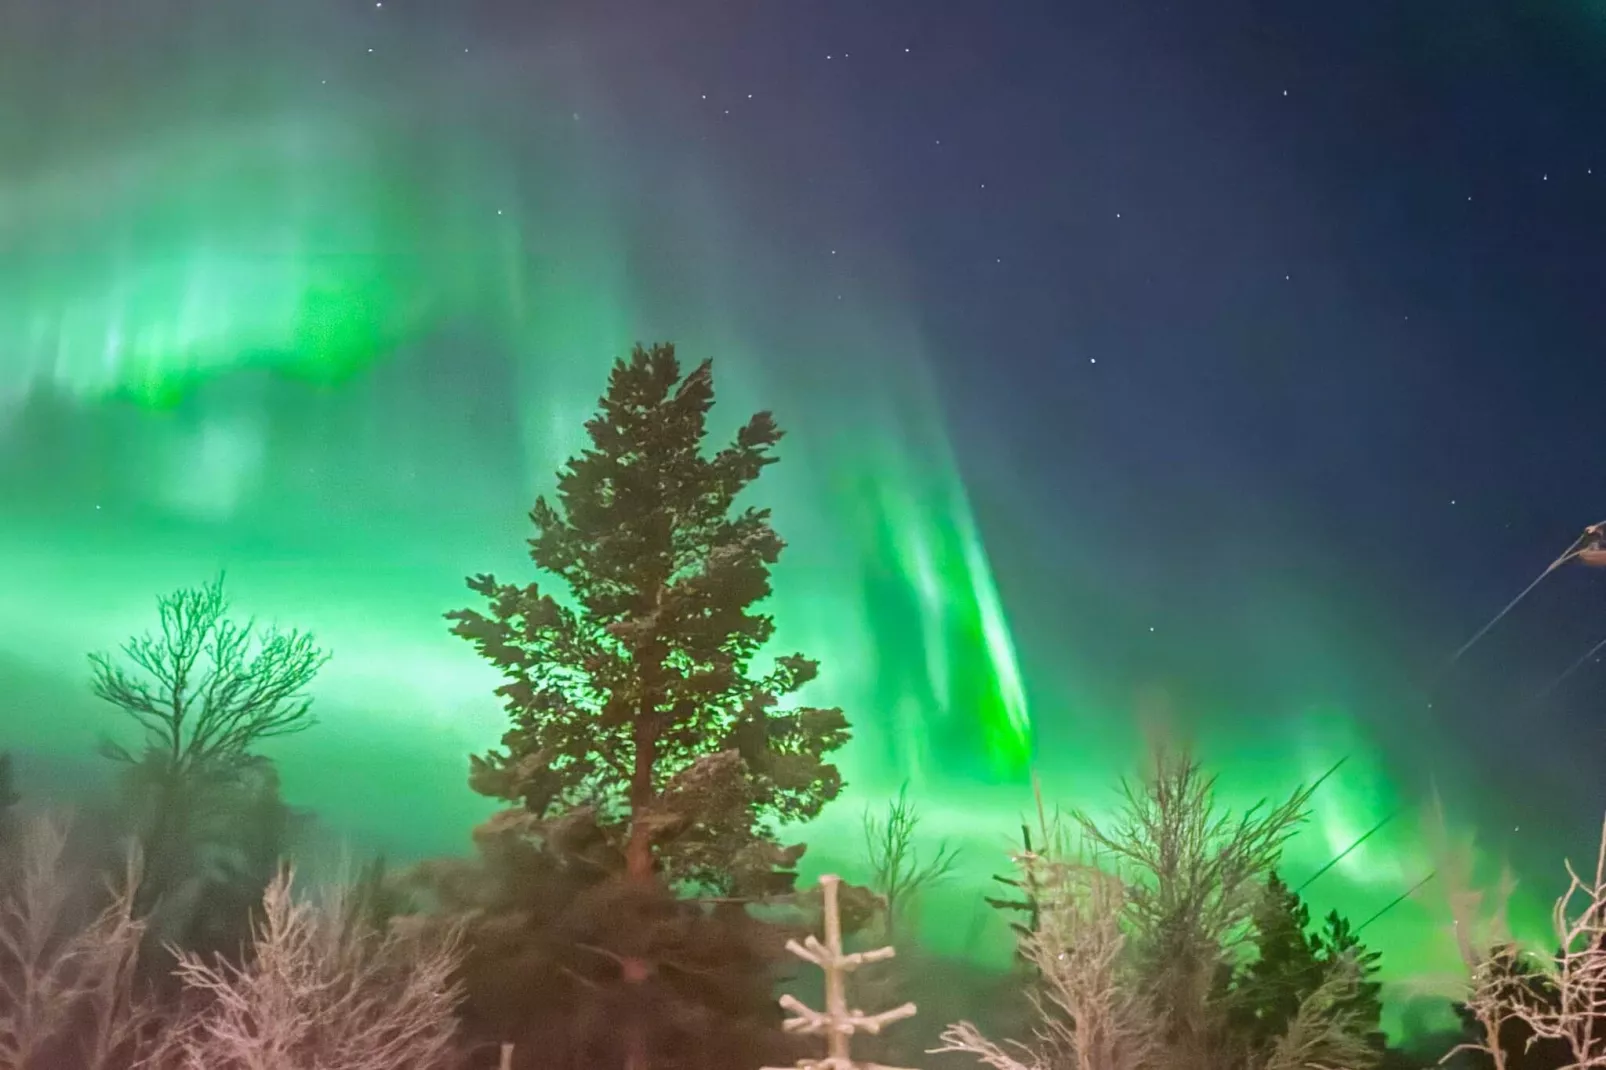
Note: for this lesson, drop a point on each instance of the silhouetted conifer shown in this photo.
(551, 916)
(636, 707)
(1289, 966)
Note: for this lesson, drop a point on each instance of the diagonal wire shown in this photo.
(1346, 852)
(1570, 553)
(1546, 691)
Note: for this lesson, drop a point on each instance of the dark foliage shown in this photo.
(9, 798)
(377, 897)
(554, 919)
(246, 839)
(1024, 908)
(1290, 964)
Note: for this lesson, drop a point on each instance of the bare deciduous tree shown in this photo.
(1134, 925)
(1196, 873)
(897, 874)
(205, 692)
(1091, 1006)
(321, 991)
(205, 689)
(66, 992)
(1562, 1000)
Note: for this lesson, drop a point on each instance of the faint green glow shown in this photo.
(302, 247)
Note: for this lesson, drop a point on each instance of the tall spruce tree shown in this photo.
(630, 683)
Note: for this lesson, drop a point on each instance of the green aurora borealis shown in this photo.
(336, 347)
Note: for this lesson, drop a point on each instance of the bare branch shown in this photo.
(66, 993)
(962, 1038)
(1091, 1004)
(320, 991)
(204, 689)
(1562, 1001)
(1329, 1032)
(897, 873)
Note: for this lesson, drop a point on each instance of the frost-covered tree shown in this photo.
(1138, 929)
(321, 990)
(67, 963)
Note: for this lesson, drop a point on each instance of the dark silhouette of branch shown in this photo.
(897, 873)
(205, 689)
(205, 692)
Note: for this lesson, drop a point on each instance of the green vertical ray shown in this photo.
(949, 677)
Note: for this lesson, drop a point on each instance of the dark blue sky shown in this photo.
(1223, 290)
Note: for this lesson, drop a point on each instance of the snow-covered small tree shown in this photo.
(67, 994)
(837, 1023)
(321, 990)
(1089, 1000)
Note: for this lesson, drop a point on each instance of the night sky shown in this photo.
(1225, 365)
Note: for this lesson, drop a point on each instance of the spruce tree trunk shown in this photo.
(639, 874)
